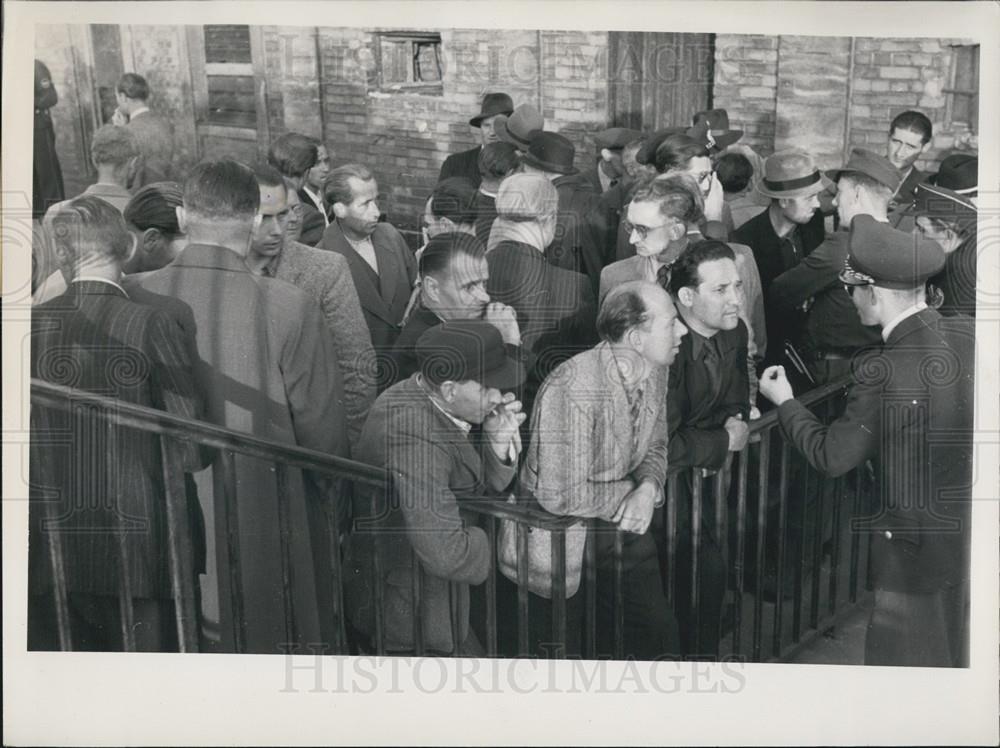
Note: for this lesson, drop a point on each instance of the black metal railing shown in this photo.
(749, 506)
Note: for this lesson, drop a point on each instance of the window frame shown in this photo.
(953, 91)
(410, 85)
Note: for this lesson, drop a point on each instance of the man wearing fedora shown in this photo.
(609, 170)
(946, 212)
(420, 431)
(466, 163)
(901, 404)
(833, 333)
(520, 127)
(784, 233)
(580, 239)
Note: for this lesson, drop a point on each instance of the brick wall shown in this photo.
(792, 90)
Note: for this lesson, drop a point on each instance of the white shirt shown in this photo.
(94, 279)
(909, 312)
(317, 202)
(138, 111)
(366, 250)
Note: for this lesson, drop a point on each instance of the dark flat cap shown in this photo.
(880, 255)
(647, 151)
(467, 349)
(869, 163)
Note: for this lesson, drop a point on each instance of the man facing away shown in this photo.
(95, 338)
(420, 431)
(152, 132)
(267, 369)
(910, 410)
(326, 278)
(599, 449)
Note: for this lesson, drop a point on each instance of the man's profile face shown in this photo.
(648, 228)
(905, 147)
(317, 174)
(473, 402)
(361, 214)
(461, 291)
(269, 236)
(293, 223)
(716, 300)
(487, 133)
(846, 201)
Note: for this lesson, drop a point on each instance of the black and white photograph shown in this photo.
(596, 356)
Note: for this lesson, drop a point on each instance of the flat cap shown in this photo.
(869, 163)
(467, 349)
(880, 255)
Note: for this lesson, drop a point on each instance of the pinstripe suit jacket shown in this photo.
(101, 480)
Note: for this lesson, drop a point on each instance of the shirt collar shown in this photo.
(465, 426)
(487, 193)
(137, 112)
(894, 322)
(95, 279)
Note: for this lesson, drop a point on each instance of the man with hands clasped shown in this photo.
(599, 449)
(910, 411)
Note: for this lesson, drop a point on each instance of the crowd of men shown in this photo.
(561, 339)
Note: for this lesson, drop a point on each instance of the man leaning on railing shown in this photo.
(414, 548)
(911, 411)
(599, 450)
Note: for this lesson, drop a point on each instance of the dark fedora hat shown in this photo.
(871, 164)
(519, 127)
(550, 151)
(715, 125)
(468, 349)
(493, 104)
(958, 172)
(879, 255)
(615, 138)
(647, 151)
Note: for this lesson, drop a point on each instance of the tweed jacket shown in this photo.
(267, 368)
(326, 277)
(156, 143)
(434, 467)
(384, 304)
(463, 164)
(583, 458)
(910, 411)
(832, 322)
(95, 338)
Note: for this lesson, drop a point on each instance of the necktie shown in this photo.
(635, 412)
(713, 362)
(663, 277)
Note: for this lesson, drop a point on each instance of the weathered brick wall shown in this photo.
(788, 91)
(746, 85)
(405, 137)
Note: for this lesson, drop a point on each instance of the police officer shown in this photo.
(917, 386)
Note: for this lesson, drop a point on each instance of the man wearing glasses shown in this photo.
(910, 410)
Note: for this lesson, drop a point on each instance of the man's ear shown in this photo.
(133, 247)
(606, 154)
(150, 240)
(64, 254)
(181, 218)
(676, 231)
(430, 286)
(447, 390)
(339, 210)
(686, 296)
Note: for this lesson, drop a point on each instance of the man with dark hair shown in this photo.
(295, 156)
(95, 338)
(708, 409)
(466, 163)
(912, 415)
(311, 191)
(154, 134)
(326, 278)
(832, 332)
(909, 139)
(420, 431)
(451, 208)
(453, 274)
(736, 175)
(114, 152)
(599, 449)
(382, 265)
(267, 368)
(497, 161)
(783, 234)
(609, 169)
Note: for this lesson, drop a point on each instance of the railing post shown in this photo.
(180, 546)
(491, 589)
(817, 552)
(338, 492)
(696, 496)
(379, 582)
(522, 589)
(619, 596)
(741, 529)
(559, 591)
(762, 497)
(285, 549)
(113, 498)
(782, 542)
(418, 606)
(590, 592)
(671, 530)
(227, 466)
